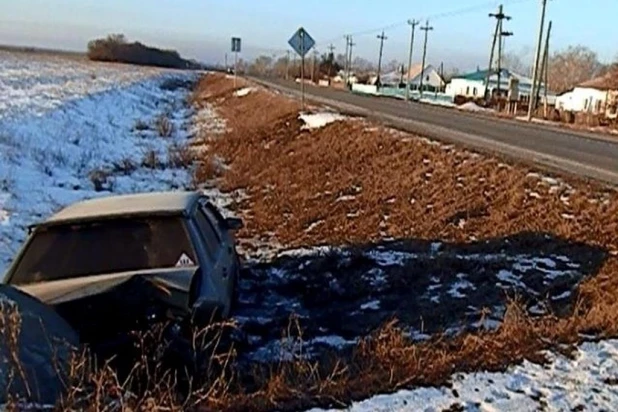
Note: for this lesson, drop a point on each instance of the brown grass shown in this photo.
(295, 178)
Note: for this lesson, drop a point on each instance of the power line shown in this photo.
(432, 17)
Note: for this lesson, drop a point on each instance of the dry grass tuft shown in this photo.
(151, 160)
(180, 156)
(102, 180)
(164, 126)
(141, 125)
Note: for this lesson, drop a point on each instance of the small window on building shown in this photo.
(586, 104)
(598, 106)
(467, 90)
(474, 91)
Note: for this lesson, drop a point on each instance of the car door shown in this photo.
(226, 243)
(217, 268)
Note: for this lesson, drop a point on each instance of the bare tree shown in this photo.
(515, 63)
(261, 65)
(574, 65)
(362, 65)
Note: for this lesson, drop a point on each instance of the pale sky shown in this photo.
(202, 28)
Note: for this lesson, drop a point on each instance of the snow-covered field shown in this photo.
(71, 130)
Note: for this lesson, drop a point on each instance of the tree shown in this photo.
(448, 76)
(328, 65)
(569, 67)
(261, 65)
(362, 65)
(515, 63)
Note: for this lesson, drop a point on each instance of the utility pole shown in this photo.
(382, 37)
(413, 24)
(502, 34)
(287, 65)
(426, 29)
(498, 33)
(532, 100)
(331, 58)
(347, 53)
(543, 72)
(352, 44)
(315, 56)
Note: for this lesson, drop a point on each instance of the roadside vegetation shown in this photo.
(294, 178)
(116, 48)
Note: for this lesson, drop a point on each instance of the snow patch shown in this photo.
(318, 120)
(243, 92)
(373, 305)
(565, 384)
(473, 107)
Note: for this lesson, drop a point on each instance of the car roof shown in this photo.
(153, 203)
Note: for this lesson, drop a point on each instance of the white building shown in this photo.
(431, 78)
(473, 85)
(596, 96)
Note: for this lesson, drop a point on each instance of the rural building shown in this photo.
(473, 84)
(340, 77)
(432, 80)
(598, 96)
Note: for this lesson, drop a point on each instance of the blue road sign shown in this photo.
(236, 44)
(301, 42)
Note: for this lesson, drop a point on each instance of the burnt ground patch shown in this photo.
(341, 294)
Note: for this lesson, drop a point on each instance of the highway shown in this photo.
(582, 153)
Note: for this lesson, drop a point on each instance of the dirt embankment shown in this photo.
(356, 182)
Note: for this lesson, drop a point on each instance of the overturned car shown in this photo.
(121, 263)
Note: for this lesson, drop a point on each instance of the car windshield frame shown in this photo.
(126, 230)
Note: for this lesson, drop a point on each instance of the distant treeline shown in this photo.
(116, 48)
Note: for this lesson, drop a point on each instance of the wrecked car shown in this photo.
(121, 263)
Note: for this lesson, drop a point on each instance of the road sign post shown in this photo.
(236, 46)
(302, 43)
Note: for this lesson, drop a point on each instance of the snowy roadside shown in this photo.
(586, 382)
(71, 131)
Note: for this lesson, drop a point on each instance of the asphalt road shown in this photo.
(579, 153)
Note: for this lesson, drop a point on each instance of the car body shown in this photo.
(117, 263)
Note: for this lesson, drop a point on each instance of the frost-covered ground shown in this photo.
(340, 294)
(586, 383)
(72, 130)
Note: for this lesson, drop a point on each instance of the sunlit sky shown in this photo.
(202, 28)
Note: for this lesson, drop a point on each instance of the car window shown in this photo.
(208, 233)
(112, 246)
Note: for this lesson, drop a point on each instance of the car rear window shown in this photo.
(118, 245)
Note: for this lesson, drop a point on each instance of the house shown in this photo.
(596, 96)
(432, 80)
(341, 75)
(473, 85)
